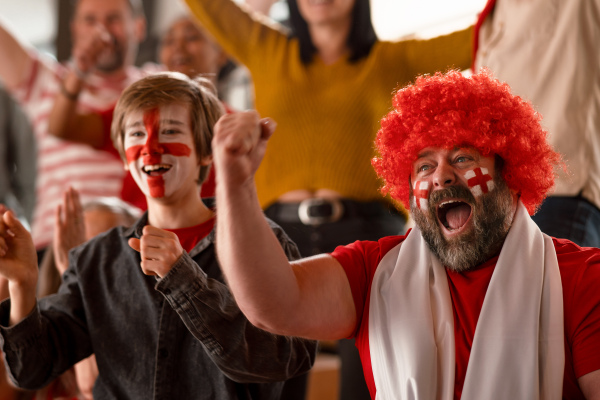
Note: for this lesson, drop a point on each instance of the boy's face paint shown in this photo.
(421, 194)
(479, 181)
(158, 149)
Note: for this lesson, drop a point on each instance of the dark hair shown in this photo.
(360, 39)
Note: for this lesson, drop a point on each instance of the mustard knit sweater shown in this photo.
(327, 115)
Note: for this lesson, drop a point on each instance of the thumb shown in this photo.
(134, 243)
(267, 127)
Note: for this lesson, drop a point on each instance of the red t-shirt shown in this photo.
(580, 274)
(189, 237)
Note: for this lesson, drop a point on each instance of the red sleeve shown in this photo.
(107, 144)
(580, 272)
(360, 260)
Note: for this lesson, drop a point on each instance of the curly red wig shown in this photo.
(450, 110)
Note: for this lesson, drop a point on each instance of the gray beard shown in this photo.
(113, 60)
(491, 219)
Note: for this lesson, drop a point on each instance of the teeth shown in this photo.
(150, 168)
(445, 203)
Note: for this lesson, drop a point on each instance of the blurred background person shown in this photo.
(17, 159)
(106, 35)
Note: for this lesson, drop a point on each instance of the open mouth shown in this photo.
(156, 169)
(453, 214)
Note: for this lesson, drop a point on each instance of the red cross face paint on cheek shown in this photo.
(421, 193)
(151, 154)
(479, 181)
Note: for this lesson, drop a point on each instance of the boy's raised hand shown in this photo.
(239, 144)
(18, 264)
(159, 250)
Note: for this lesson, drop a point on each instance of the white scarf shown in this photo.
(518, 348)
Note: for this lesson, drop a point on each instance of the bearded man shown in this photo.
(474, 302)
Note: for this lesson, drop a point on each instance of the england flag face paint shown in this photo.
(479, 181)
(159, 149)
(421, 194)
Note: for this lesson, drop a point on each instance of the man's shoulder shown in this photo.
(579, 266)
(570, 254)
(370, 252)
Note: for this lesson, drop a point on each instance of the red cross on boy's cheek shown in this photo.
(479, 181)
(421, 194)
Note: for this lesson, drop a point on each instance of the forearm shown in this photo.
(22, 298)
(16, 60)
(242, 351)
(257, 270)
(61, 122)
(27, 351)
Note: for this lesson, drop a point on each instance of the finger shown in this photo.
(77, 207)
(134, 243)
(268, 127)
(3, 209)
(15, 228)
(148, 267)
(157, 232)
(74, 211)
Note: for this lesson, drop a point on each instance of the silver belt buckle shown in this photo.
(337, 209)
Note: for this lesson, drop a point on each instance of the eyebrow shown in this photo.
(139, 124)
(424, 154)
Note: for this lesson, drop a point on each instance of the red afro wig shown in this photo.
(451, 110)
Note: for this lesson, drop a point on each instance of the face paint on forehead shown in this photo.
(421, 194)
(479, 181)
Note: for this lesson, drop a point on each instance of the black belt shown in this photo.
(317, 211)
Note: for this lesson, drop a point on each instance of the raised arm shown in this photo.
(261, 6)
(248, 37)
(65, 121)
(18, 264)
(309, 298)
(590, 385)
(16, 61)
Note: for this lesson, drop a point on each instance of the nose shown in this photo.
(444, 175)
(152, 147)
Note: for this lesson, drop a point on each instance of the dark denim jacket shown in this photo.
(180, 337)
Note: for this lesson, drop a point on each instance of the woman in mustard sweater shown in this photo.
(327, 85)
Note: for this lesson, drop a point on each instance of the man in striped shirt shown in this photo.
(106, 34)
